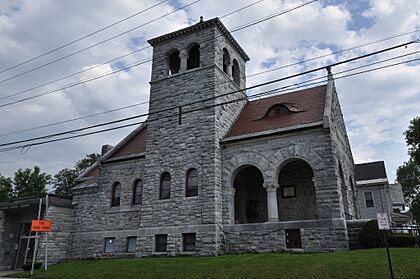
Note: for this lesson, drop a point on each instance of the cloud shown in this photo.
(377, 106)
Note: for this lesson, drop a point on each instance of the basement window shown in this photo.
(188, 242)
(131, 244)
(161, 243)
(109, 245)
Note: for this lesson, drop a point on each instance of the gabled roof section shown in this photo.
(305, 107)
(370, 171)
(198, 26)
(131, 146)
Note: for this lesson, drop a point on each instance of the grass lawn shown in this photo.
(360, 264)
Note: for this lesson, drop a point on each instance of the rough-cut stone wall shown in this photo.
(8, 226)
(270, 153)
(343, 156)
(95, 219)
(59, 238)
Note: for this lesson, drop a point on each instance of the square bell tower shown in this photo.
(195, 71)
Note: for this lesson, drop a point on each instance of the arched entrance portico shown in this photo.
(296, 199)
(250, 196)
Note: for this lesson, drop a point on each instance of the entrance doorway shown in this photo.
(293, 239)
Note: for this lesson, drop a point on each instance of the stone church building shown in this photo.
(210, 172)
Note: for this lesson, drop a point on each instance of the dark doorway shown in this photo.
(296, 198)
(26, 246)
(293, 239)
(250, 196)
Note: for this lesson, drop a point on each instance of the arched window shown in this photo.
(191, 184)
(193, 60)
(116, 194)
(174, 62)
(235, 71)
(226, 61)
(165, 186)
(137, 191)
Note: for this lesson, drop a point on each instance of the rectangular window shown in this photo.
(110, 245)
(188, 242)
(161, 241)
(131, 244)
(369, 199)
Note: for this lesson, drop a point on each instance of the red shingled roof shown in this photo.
(135, 145)
(305, 106)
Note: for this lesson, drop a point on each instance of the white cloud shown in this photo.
(377, 106)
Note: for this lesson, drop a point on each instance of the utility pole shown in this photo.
(36, 239)
(46, 234)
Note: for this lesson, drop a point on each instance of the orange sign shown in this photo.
(41, 225)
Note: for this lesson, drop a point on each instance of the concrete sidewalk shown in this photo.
(4, 273)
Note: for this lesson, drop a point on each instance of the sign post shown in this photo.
(383, 225)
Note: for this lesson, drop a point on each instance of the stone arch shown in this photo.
(298, 151)
(233, 166)
(250, 196)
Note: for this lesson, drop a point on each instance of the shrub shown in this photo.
(402, 240)
(370, 236)
(28, 266)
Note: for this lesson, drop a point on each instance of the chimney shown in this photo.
(105, 149)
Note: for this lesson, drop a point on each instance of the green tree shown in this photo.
(412, 137)
(415, 208)
(65, 179)
(408, 175)
(30, 182)
(6, 188)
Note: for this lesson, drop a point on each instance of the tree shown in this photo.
(6, 188)
(65, 179)
(412, 137)
(30, 183)
(408, 175)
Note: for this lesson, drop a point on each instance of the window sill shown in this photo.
(113, 210)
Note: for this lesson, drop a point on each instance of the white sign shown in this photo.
(383, 221)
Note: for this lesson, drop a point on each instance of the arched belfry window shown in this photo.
(235, 71)
(226, 61)
(137, 191)
(174, 62)
(193, 60)
(165, 186)
(191, 183)
(116, 194)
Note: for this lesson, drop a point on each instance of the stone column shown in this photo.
(183, 55)
(232, 205)
(273, 214)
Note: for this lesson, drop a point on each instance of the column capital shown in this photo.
(271, 187)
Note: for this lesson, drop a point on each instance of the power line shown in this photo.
(145, 61)
(99, 43)
(146, 102)
(193, 110)
(83, 37)
(248, 76)
(74, 119)
(207, 99)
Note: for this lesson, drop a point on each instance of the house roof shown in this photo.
(303, 106)
(370, 171)
(397, 195)
(201, 25)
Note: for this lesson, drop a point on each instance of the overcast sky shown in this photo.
(377, 106)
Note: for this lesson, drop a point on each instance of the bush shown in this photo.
(402, 240)
(28, 266)
(370, 236)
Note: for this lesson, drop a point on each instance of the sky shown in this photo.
(377, 106)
